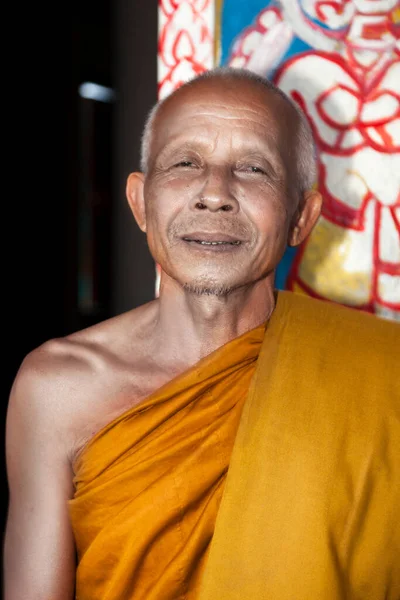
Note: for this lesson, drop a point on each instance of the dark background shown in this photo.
(50, 50)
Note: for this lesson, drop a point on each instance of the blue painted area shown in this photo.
(236, 15)
(296, 47)
(283, 269)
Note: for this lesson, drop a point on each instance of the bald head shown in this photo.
(299, 141)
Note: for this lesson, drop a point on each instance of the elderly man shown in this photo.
(119, 437)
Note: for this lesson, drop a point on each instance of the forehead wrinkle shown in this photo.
(180, 142)
(251, 101)
(209, 133)
(228, 117)
(185, 115)
(242, 113)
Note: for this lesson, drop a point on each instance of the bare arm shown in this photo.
(39, 552)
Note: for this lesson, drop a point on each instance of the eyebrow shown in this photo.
(187, 146)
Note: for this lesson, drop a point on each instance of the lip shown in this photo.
(215, 236)
(213, 248)
(217, 242)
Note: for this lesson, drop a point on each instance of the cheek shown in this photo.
(166, 198)
(162, 211)
(272, 220)
(266, 203)
(157, 204)
(174, 184)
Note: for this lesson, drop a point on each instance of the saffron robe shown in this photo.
(148, 485)
(310, 506)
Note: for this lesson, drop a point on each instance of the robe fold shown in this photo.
(311, 506)
(149, 484)
(311, 502)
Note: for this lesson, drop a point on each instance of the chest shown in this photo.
(111, 393)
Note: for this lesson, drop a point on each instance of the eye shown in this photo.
(185, 164)
(251, 169)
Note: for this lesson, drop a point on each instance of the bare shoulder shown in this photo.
(48, 374)
(59, 363)
(72, 386)
(51, 366)
(43, 391)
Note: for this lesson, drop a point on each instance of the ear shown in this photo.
(305, 217)
(135, 197)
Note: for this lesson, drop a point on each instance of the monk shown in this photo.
(226, 440)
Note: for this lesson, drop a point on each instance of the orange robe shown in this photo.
(311, 504)
(149, 485)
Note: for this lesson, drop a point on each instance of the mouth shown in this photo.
(213, 243)
(217, 240)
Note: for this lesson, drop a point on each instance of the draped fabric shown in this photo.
(311, 501)
(311, 506)
(149, 485)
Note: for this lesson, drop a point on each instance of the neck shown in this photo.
(192, 326)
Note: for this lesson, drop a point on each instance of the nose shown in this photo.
(216, 192)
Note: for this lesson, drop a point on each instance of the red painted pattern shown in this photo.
(184, 45)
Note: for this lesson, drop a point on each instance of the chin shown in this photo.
(205, 280)
(204, 289)
(206, 285)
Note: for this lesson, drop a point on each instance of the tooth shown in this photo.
(204, 243)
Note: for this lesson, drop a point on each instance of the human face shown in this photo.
(217, 206)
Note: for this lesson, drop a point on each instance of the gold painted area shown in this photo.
(323, 267)
(396, 16)
(218, 5)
